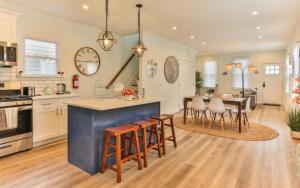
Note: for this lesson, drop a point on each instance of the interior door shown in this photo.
(272, 84)
(186, 80)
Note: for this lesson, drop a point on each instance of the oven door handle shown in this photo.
(23, 108)
(5, 146)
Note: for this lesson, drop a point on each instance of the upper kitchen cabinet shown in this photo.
(8, 22)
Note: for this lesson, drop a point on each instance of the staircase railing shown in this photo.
(120, 71)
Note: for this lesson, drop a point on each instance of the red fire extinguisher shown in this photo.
(75, 81)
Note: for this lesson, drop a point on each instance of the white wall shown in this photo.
(70, 36)
(159, 49)
(256, 58)
(132, 69)
(290, 80)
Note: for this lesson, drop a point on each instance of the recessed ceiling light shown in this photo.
(260, 37)
(258, 27)
(203, 43)
(192, 37)
(254, 13)
(86, 7)
(174, 28)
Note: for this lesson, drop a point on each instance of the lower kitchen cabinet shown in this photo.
(50, 120)
(63, 120)
(46, 123)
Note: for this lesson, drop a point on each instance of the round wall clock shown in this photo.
(87, 61)
(171, 69)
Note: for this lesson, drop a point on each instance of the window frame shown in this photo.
(40, 75)
(272, 64)
(216, 73)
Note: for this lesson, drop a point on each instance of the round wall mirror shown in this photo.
(171, 69)
(87, 61)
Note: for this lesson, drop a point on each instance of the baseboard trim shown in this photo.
(49, 141)
(269, 104)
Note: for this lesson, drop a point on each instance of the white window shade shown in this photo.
(40, 58)
(237, 74)
(210, 74)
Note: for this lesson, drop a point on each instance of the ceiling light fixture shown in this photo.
(260, 37)
(258, 27)
(254, 13)
(203, 43)
(86, 7)
(139, 49)
(174, 28)
(192, 37)
(106, 39)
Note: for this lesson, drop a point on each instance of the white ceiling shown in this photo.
(225, 25)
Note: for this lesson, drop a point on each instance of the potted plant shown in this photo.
(293, 121)
(198, 82)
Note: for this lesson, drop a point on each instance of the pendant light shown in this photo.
(139, 49)
(106, 39)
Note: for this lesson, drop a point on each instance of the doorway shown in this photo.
(272, 84)
(186, 80)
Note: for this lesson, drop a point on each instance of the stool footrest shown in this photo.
(112, 145)
(170, 138)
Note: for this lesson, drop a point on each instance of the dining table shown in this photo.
(239, 102)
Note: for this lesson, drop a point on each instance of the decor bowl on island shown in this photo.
(293, 121)
(129, 94)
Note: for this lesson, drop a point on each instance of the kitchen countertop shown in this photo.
(109, 103)
(44, 97)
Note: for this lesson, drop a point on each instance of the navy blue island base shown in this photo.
(86, 131)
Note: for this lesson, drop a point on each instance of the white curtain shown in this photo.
(237, 73)
(210, 74)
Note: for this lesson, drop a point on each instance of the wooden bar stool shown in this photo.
(162, 118)
(144, 125)
(118, 132)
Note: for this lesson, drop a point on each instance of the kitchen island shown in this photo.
(87, 120)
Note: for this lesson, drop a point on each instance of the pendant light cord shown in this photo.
(139, 24)
(106, 19)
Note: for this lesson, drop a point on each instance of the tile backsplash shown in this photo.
(40, 83)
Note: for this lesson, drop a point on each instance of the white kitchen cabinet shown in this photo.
(50, 119)
(45, 120)
(8, 26)
(63, 119)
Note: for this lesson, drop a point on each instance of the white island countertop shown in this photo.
(109, 103)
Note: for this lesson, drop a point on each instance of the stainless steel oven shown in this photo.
(15, 129)
(15, 121)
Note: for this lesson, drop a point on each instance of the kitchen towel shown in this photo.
(3, 122)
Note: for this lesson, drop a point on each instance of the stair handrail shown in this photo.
(120, 71)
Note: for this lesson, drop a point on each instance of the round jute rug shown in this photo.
(257, 132)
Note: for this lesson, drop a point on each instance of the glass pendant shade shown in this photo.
(106, 40)
(139, 49)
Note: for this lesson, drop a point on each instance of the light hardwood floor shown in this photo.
(199, 161)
